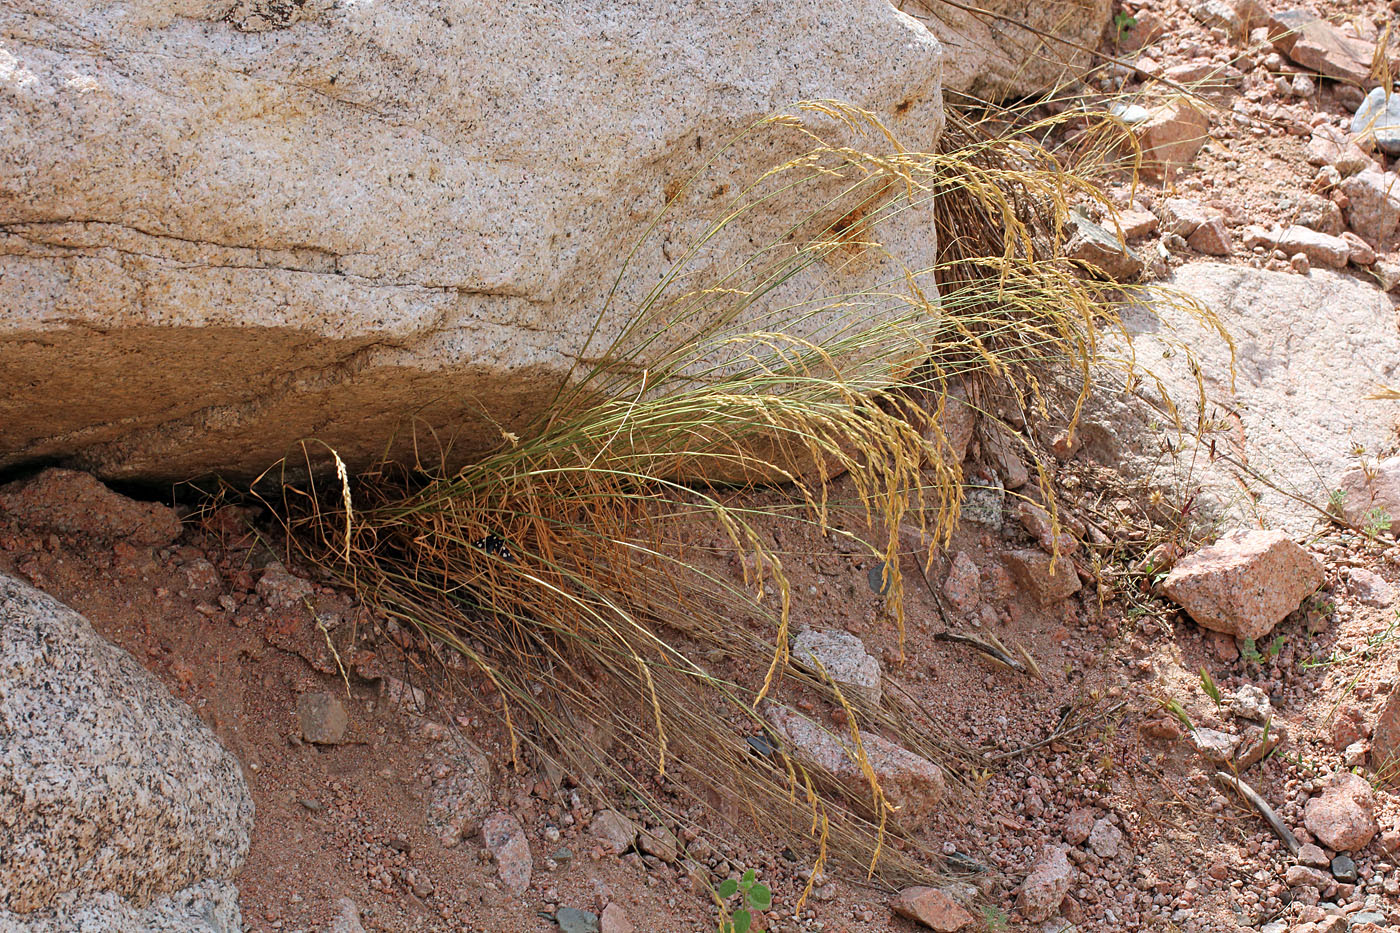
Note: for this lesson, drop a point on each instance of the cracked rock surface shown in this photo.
(228, 227)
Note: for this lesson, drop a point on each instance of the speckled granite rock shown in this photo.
(1245, 583)
(912, 784)
(230, 226)
(206, 907)
(843, 658)
(460, 796)
(116, 802)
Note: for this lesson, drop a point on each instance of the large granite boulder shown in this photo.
(1285, 409)
(119, 810)
(233, 224)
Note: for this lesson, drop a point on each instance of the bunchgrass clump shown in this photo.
(565, 566)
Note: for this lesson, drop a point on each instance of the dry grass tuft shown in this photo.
(569, 567)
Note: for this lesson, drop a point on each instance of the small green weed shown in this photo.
(1373, 642)
(1124, 22)
(753, 895)
(994, 918)
(1250, 654)
(1264, 739)
(1177, 710)
(1376, 524)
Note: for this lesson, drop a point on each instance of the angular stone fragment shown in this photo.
(322, 718)
(1100, 248)
(614, 920)
(1370, 588)
(1213, 745)
(932, 908)
(660, 842)
(1321, 249)
(1045, 887)
(281, 589)
(1138, 224)
(1218, 13)
(615, 831)
(1322, 47)
(912, 784)
(1361, 254)
(504, 838)
(1371, 494)
(1245, 583)
(1250, 702)
(1079, 824)
(955, 423)
(1183, 215)
(1299, 876)
(460, 796)
(963, 583)
(573, 920)
(1320, 214)
(1105, 839)
(1373, 211)
(1378, 117)
(1171, 136)
(1343, 816)
(844, 659)
(1048, 579)
(1331, 146)
(1211, 237)
(1037, 523)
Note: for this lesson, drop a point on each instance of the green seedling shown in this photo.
(1124, 22)
(1177, 710)
(753, 896)
(1209, 686)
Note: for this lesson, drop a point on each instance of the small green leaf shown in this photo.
(760, 898)
(728, 888)
(742, 920)
(749, 876)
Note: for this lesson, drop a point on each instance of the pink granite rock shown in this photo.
(932, 908)
(912, 784)
(1045, 887)
(1048, 580)
(1245, 583)
(1343, 816)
